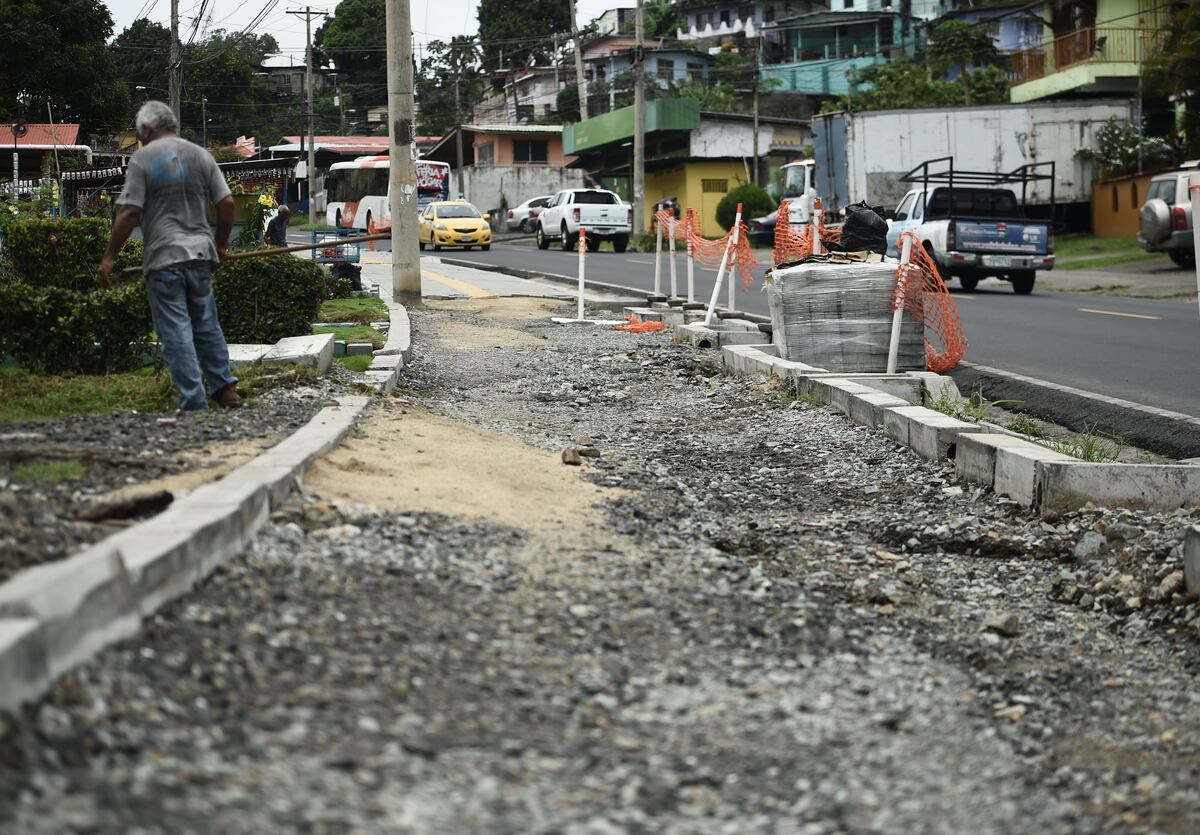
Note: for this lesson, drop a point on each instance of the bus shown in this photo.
(356, 191)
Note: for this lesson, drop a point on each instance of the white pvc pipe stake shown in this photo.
(582, 250)
(716, 293)
(902, 279)
(657, 256)
(737, 230)
(816, 227)
(1194, 189)
(671, 244)
(691, 263)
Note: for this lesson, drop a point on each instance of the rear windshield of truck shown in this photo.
(602, 198)
(974, 202)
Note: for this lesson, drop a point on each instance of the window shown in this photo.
(714, 186)
(848, 4)
(1162, 190)
(485, 153)
(919, 206)
(666, 69)
(596, 198)
(746, 14)
(539, 202)
(532, 150)
(448, 210)
(695, 72)
(905, 207)
(725, 16)
(976, 202)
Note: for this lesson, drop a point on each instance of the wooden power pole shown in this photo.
(580, 82)
(639, 128)
(311, 165)
(402, 184)
(175, 69)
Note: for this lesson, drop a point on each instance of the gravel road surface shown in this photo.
(746, 616)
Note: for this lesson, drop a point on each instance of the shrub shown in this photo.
(263, 300)
(755, 202)
(63, 253)
(58, 329)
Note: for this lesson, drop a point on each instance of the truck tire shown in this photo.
(568, 240)
(542, 241)
(1022, 281)
(1185, 258)
(593, 244)
(620, 243)
(968, 282)
(1155, 219)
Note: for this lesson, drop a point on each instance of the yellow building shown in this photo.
(692, 156)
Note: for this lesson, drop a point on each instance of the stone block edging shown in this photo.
(57, 615)
(389, 360)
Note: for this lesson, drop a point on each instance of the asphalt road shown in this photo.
(1143, 350)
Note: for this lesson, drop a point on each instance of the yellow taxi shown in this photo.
(454, 223)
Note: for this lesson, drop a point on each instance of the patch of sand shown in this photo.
(460, 333)
(507, 307)
(415, 460)
(203, 466)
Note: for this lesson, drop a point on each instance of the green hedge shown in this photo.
(263, 300)
(60, 330)
(755, 203)
(63, 253)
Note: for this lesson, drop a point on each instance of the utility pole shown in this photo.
(204, 121)
(639, 129)
(402, 185)
(757, 48)
(579, 79)
(458, 136)
(310, 167)
(175, 68)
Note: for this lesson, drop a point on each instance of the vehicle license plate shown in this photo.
(999, 260)
(467, 240)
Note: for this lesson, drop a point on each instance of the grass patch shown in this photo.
(1093, 263)
(49, 472)
(253, 380)
(1025, 425)
(971, 409)
(1098, 252)
(28, 396)
(360, 309)
(356, 333)
(1090, 445)
(359, 363)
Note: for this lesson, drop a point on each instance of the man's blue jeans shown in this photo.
(185, 316)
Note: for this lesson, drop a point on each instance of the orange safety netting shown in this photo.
(710, 251)
(635, 324)
(793, 244)
(922, 292)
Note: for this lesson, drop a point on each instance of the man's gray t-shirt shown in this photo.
(174, 182)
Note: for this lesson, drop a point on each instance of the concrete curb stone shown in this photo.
(1191, 559)
(1069, 485)
(57, 615)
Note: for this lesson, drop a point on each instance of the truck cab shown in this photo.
(795, 184)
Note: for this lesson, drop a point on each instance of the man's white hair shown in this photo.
(157, 117)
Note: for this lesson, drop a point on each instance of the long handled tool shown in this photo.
(280, 250)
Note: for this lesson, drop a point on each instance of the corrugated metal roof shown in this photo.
(42, 135)
(514, 128)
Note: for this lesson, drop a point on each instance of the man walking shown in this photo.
(277, 228)
(169, 186)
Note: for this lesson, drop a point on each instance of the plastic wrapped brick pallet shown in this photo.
(839, 317)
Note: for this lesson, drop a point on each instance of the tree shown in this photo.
(962, 44)
(513, 33)
(53, 52)
(1174, 71)
(904, 84)
(755, 202)
(355, 40)
(662, 18)
(443, 65)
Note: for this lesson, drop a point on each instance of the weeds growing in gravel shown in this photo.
(48, 472)
(359, 362)
(1025, 425)
(253, 380)
(28, 396)
(971, 409)
(1090, 445)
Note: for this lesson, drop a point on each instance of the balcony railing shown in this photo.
(1085, 46)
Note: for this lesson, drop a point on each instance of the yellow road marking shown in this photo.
(461, 286)
(1115, 313)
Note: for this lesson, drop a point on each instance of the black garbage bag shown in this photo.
(863, 231)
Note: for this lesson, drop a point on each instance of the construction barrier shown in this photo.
(708, 251)
(921, 291)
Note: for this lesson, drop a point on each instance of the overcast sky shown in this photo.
(431, 19)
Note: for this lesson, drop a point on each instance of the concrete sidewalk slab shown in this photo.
(314, 351)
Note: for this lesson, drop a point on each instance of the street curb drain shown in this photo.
(1014, 466)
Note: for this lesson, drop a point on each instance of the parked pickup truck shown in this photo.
(982, 233)
(601, 213)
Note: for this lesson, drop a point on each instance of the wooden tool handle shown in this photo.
(280, 250)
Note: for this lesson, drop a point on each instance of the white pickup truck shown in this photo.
(601, 213)
(980, 232)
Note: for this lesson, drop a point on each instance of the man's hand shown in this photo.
(102, 276)
(222, 254)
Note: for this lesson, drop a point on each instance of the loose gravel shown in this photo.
(39, 519)
(792, 625)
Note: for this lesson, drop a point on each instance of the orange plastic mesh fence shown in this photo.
(635, 324)
(709, 251)
(919, 287)
(792, 244)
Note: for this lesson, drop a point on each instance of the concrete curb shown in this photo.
(389, 360)
(1010, 464)
(1191, 561)
(55, 616)
(1173, 434)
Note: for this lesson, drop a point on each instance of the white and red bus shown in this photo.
(357, 195)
